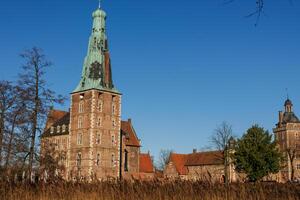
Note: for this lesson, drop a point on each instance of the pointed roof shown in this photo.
(96, 71)
(179, 161)
(63, 120)
(131, 138)
(146, 165)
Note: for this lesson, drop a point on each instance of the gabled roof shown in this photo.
(146, 165)
(53, 116)
(182, 161)
(64, 120)
(205, 158)
(179, 161)
(131, 138)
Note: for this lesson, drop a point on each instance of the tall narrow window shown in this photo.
(81, 107)
(113, 108)
(126, 161)
(80, 122)
(100, 105)
(99, 122)
(114, 124)
(113, 140)
(98, 159)
(113, 160)
(58, 129)
(79, 138)
(98, 138)
(78, 160)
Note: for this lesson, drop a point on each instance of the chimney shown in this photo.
(194, 150)
(129, 120)
(280, 117)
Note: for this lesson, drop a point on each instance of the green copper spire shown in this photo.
(96, 73)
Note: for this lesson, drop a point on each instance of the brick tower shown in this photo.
(95, 112)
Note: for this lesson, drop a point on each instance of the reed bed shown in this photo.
(150, 190)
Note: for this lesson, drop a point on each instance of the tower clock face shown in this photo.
(95, 70)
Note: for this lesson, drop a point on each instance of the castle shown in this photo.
(91, 140)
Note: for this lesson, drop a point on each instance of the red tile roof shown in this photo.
(146, 165)
(54, 116)
(130, 136)
(182, 161)
(205, 158)
(179, 161)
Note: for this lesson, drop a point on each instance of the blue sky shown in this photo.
(183, 66)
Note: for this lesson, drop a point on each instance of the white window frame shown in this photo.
(79, 138)
(80, 121)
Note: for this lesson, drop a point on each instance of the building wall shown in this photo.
(133, 161)
(288, 137)
(170, 171)
(99, 115)
(212, 173)
(56, 146)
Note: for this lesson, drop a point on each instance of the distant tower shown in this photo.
(95, 113)
(287, 134)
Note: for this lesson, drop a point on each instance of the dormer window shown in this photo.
(52, 130)
(58, 129)
(63, 128)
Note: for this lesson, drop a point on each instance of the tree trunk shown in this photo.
(1, 134)
(11, 137)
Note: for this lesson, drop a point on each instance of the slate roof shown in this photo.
(290, 117)
(146, 165)
(131, 138)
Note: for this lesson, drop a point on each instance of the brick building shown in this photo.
(287, 134)
(205, 166)
(91, 140)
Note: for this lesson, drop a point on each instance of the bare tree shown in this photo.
(164, 157)
(36, 95)
(220, 140)
(6, 102)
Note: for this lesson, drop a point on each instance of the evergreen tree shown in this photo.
(256, 154)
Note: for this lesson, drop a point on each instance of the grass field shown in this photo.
(155, 190)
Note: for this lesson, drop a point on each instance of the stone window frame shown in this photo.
(79, 138)
(98, 138)
(113, 139)
(78, 160)
(114, 123)
(81, 107)
(99, 122)
(113, 160)
(52, 130)
(63, 128)
(80, 122)
(98, 159)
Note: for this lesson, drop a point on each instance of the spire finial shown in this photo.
(287, 93)
(99, 4)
